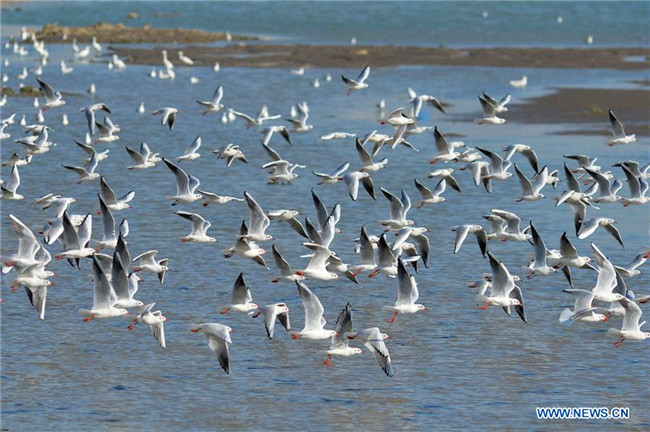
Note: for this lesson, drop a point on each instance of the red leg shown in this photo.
(394, 317)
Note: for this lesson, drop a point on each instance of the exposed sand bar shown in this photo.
(355, 56)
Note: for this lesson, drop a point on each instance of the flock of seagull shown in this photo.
(398, 253)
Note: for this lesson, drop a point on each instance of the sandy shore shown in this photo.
(355, 56)
(588, 107)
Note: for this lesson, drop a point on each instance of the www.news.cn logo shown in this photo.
(578, 413)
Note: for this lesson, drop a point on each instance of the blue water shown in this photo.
(456, 367)
(456, 23)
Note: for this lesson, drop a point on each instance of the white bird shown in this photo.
(279, 311)
(352, 180)
(317, 267)
(218, 336)
(65, 69)
(489, 114)
(399, 208)
(213, 198)
(300, 122)
(525, 150)
(185, 185)
(154, 319)
(125, 285)
(607, 189)
(262, 116)
(447, 175)
(339, 345)
(397, 118)
(418, 100)
(337, 136)
(287, 274)
(583, 311)
(386, 264)
(53, 98)
(149, 263)
(111, 200)
(86, 173)
(359, 83)
(606, 282)
(618, 132)
(269, 131)
(90, 115)
(590, 226)
(499, 105)
(185, 59)
(231, 153)
(141, 109)
(373, 339)
(538, 266)
(461, 234)
(191, 151)
(334, 177)
(216, 67)
(168, 64)
(531, 189)
(15, 159)
(446, 152)
(214, 104)
(142, 158)
(76, 241)
(104, 297)
(199, 228)
(369, 164)
(513, 224)
(630, 270)
(638, 188)
(242, 300)
(168, 116)
(631, 328)
(503, 291)
(258, 222)
(407, 293)
(9, 189)
(429, 196)
(314, 327)
(520, 83)
(245, 248)
(96, 44)
(367, 251)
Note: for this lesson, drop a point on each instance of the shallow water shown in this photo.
(456, 367)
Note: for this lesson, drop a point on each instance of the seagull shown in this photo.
(286, 273)
(258, 222)
(617, 132)
(199, 228)
(337, 136)
(125, 285)
(339, 344)
(212, 198)
(111, 200)
(461, 234)
(168, 64)
(503, 291)
(630, 270)
(317, 267)
(489, 114)
(499, 105)
(154, 319)
(282, 171)
(104, 297)
(279, 311)
(314, 327)
(245, 248)
(185, 59)
(569, 258)
(523, 82)
(86, 173)
(373, 339)
(387, 264)
(218, 336)
(523, 149)
(269, 131)
(185, 185)
(407, 293)
(606, 282)
(106, 131)
(446, 152)
(242, 300)
(498, 165)
(367, 252)
(428, 196)
(418, 100)
(590, 226)
(369, 165)
(214, 104)
(149, 263)
(447, 175)
(90, 115)
(480, 173)
(538, 266)
(638, 188)
(631, 328)
(583, 311)
(333, 178)
(168, 116)
(300, 123)
(9, 189)
(417, 234)
(399, 208)
(583, 162)
(109, 238)
(359, 83)
(52, 99)
(191, 150)
(531, 190)
(16, 160)
(397, 118)
(262, 116)
(75, 243)
(513, 223)
(90, 150)
(352, 181)
(141, 158)
(607, 189)
(38, 144)
(230, 153)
